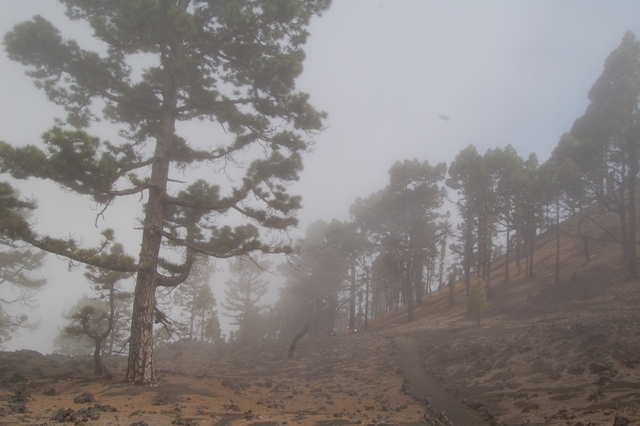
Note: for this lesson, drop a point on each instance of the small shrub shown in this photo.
(477, 300)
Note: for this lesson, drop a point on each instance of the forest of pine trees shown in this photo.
(400, 245)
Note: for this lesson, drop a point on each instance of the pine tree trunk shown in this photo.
(418, 270)
(532, 247)
(584, 238)
(624, 231)
(408, 291)
(366, 301)
(468, 252)
(140, 367)
(97, 362)
(518, 242)
(506, 257)
(557, 278)
(633, 175)
(352, 296)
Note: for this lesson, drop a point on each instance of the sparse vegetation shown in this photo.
(477, 300)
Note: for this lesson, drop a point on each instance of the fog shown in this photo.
(399, 80)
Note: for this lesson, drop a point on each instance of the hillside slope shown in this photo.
(545, 352)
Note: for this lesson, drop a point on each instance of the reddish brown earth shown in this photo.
(545, 353)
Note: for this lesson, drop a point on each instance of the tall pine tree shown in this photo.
(233, 63)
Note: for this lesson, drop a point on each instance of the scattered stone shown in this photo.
(84, 397)
(527, 406)
(620, 421)
(19, 408)
(230, 384)
(299, 417)
(64, 416)
(49, 392)
(231, 407)
(105, 408)
(20, 395)
(81, 416)
(162, 400)
(91, 413)
(184, 422)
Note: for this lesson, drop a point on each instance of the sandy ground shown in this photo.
(342, 380)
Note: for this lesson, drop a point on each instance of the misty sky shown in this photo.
(387, 72)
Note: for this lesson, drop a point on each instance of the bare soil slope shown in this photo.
(340, 380)
(545, 353)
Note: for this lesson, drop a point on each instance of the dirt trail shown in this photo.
(423, 385)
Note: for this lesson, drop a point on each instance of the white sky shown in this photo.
(505, 72)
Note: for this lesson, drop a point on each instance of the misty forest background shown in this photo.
(401, 243)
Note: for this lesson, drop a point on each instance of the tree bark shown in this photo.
(408, 290)
(352, 296)
(633, 175)
(140, 369)
(97, 362)
(418, 270)
(506, 257)
(468, 252)
(557, 275)
(366, 300)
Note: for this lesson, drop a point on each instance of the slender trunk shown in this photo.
(418, 270)
(352, 296)
(99, 338)
(532, 246)
(633, 175)
(468, 251)
(583, 237)
(557, 278)
(506, 256)
(481, 246)
(408, 290)
(624, 231)
(489, 274)
(366, 300)
(202, 324)
(192, 317)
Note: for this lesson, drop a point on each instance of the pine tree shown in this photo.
(477, 300)
(196, 299)
(97, 317)
(405, 218)
(233, 63)
(608, 152)
(243, 294)
(212, 332)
